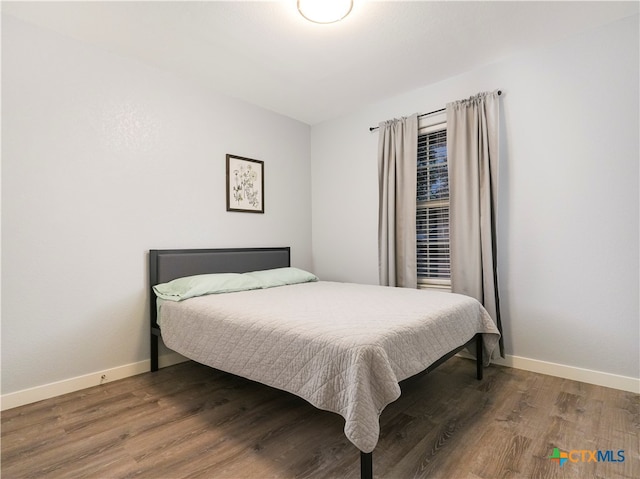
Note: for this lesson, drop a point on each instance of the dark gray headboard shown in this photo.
(168, 264)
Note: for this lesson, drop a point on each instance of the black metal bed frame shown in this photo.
(168, 264)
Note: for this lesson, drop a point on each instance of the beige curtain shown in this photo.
(397, 170)
(472, 148)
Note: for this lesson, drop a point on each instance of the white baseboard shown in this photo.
(589, 376)
(28, 396)
(46, 391)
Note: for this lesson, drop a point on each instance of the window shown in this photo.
(432, 213)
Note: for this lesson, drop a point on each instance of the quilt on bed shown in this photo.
(341, 346)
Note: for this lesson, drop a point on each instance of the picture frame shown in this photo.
(245, 184)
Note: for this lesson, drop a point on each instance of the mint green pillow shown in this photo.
(270, 278)
(202, 284)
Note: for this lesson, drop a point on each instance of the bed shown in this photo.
(342, 347)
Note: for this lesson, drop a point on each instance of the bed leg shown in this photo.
(366, 465)
(479, 359)
(154, 352)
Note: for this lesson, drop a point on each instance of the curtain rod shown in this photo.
(373, 128)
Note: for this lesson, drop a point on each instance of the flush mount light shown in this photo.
(324, 11)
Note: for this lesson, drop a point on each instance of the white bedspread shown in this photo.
(343, 347)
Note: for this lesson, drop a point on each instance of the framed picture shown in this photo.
(245, 184)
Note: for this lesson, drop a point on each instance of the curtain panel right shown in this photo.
(472, 148)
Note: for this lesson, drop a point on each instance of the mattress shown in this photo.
(343, 347)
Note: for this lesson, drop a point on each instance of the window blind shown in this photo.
(432, 212)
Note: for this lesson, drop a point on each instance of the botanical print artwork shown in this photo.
(245, 189)
(245, 184)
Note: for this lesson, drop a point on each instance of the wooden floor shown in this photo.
(189, 421)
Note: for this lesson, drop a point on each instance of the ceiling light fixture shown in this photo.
(324, 11)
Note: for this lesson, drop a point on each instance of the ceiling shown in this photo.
(265, 53)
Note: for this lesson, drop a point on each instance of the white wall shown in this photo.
(568, 220)
(104, 158)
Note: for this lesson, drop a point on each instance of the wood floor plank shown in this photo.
(189, 421)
